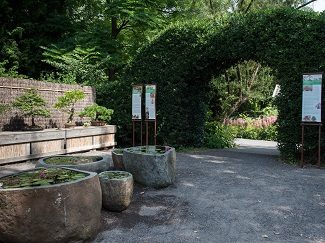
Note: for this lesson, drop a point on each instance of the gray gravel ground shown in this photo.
(225, 196)
(235, 195)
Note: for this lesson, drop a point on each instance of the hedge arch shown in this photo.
(183, 58)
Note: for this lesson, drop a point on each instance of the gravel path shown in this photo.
(234, 195)
(225, 196)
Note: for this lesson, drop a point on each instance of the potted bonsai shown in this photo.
(66, 103)
(45, 205)
(117, 189)
(32, 105)
(99, 115)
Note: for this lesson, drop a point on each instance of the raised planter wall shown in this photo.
(19, 146)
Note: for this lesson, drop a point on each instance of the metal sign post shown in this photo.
(311, 109)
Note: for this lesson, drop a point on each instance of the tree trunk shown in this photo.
(71, 115)
(114, 33)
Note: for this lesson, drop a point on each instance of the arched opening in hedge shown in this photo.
(183, 59)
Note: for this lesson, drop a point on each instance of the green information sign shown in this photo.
(312, 98)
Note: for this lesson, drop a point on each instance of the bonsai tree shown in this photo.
(66, 103)
(31, 104)
(97, 113)
(4, 108)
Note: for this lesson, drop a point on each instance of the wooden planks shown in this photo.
(20, 146)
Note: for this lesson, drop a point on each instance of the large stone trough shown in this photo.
(149, 167)
(65, 212)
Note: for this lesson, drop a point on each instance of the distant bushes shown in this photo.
(263, 128)
(218, 135)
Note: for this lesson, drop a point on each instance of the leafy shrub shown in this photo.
(97, 113)
(218, 135)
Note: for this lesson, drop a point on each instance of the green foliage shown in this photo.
(27, 25)
(183, 58)
(4, 108)
(66, 103)
(97, 113)
(218, 135)
(82, 66)
(31, 104)
(246, 87)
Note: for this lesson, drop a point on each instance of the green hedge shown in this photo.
(183, 59)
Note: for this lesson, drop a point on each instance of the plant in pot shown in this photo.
(32, 105)
(99, 115)
(117, 189)
(67, 102)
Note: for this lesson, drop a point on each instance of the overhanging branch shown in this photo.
(305, 4)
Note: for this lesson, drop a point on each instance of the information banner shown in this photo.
(150, 102)
(136, 102)
(311, 98)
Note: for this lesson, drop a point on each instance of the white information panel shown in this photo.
(312, 98)
(136, 102)
(150, 102)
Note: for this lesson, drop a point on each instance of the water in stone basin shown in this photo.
(154, 150)
(40, 177)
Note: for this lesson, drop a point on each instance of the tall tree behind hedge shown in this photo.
(115, 29)
(27, 25)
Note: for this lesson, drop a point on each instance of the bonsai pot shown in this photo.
(152, 166)
(117, 189)
(69, 125)
(117, 157)
(98, 123)
(88, 163)
(32, 128)
(44, 211)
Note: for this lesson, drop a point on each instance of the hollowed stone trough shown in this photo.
(66, 212)
(103, 164)
(152, 166)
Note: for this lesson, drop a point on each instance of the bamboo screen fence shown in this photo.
(10, 88)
